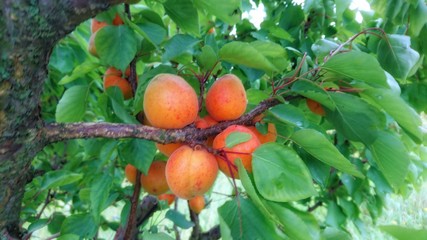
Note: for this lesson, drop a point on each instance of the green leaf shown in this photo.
(117, 101)
(335, 234)
(250, 188)
(313, 91)
(288, 178)
(289, 114)
(391, 156)
(68, 237)
(244, 221)
(152, 32)
(178, 45)
(99, 193)
(82, 225)
(236, 138)
(323, 47)
(226, 10)
(293, 225)
(396, 56)
(404, 233)
(207, 58)
(156, 236)
(139, 153)
(335, 216)
(321, 148)
(116, 46)
(184, 14)
(256, 96)
(57, 218)
(59, 178)
(418, 15)
(394, 105)
(79, 71)
(355, 118)
(178, 219)
(258, 55)
(357, 65)
(38, 224)
(72, 106)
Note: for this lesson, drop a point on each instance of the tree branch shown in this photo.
(64, 16)
(131, 225)
(54, 132)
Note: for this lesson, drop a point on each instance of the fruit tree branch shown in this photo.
(54, 132)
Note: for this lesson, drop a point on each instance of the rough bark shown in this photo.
(28, 32)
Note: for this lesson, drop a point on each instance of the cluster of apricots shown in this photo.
(112, 76)
(171, 103)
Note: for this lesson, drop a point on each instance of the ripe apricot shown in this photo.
(130, 173)
(117, 20)
(226, 99)
(205, 122)
(191, 172)
(155, 181)
(197, 204)
(170, 102)
(92, 47)
(113, 77)
(270, 136)
(242, 150)
(169, 197)
(169, 148)
(96, 25)
(315, 107)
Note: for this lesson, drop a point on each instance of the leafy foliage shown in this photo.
(361, 150)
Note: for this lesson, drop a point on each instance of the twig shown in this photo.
(195, 219)
(131, 224)
(316, 205)
(175, 228)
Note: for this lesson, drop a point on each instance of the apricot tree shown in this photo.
(337, 101)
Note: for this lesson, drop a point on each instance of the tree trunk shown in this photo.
(28, 32)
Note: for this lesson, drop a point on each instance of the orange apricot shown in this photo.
(242, 150)
(191, 172)
(117, 20)
(113, 77)
(155, 181)
(205, 122)
(197, 204)
(168, 197)
(170, 102)
(130, 173)
(92, 47)
(226, 99)
(270, 136)
(315, 107)
(169, 148)
(96, 25)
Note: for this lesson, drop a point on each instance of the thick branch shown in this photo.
(63, 131)
(64, 16)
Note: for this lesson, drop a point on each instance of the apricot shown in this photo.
(226, 99)
(155, 181)
(315, 107)
(117, 20)
(191, 172)
(130, 173)
(242, 150)
(168, 197)
(270, 136)
(142, 119)
(169, 148)
(92, 47)
(170, 102)
(113, 77)
(96, 25)
(197, 204)
(205, 122)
